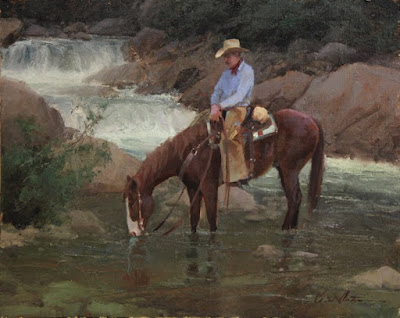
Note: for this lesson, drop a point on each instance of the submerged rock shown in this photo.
(384, 277)
(302, 254)
(85, 222)
(239, 200)
(267, 251)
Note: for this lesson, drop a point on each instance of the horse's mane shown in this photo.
(174, 148)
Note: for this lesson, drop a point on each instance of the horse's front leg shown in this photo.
(210, 193)
(195, 204)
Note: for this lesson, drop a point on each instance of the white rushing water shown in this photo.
(55, 68)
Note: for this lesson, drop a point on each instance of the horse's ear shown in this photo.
(128, 178)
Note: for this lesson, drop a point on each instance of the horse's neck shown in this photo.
(166, 160)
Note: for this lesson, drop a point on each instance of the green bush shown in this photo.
(41, 180)
(366, 25)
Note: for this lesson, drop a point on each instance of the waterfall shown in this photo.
(55, 68)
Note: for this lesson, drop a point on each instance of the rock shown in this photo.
(146, 42)
(397, 243)
(336, 53)
(56, 33)
(36, 30)
(186, 78)
(88, 91)
(301, 254)
(20, 101)
(110, 26)
(76, 27)
(10, 31)
(267, 251)
(239, 200)
(119, 76)
(198, 96)
(112, 176)
(85, 222)
(385, 60)
(385, 277)
(11, 237)
(358, 107)
(81, 36)
(281, 92)
(168, 52)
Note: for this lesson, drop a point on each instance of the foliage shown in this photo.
(41, 180)
(65, 10)
(366, 25)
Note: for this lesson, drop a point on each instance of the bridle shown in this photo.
(140, 219)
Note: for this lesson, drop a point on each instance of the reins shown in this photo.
(185, 164)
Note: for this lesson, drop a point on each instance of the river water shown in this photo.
(352, 231)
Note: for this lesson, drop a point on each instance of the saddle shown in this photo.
(258, 124)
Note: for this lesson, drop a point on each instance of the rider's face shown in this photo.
(231, 59)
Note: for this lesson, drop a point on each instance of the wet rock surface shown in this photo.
(384, 277)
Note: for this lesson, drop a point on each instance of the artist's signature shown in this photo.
(330, 297)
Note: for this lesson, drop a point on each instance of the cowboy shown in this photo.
(232, 94)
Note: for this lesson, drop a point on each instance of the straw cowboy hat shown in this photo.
(231, 44)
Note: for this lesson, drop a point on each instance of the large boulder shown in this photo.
(283, 91)
(146, 42)
(111, 26)
(122, 75)
(198, 96)
(20, 101)
(359, 109)
(76, 27)
(10, 30)
(336, 53)
(111, 176)
(36, 30)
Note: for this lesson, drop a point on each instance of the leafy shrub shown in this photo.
(366, 25)
(40, 180)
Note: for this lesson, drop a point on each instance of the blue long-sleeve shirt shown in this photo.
(234, 90)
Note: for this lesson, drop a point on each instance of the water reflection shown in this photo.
(202, 265)
(137, 273)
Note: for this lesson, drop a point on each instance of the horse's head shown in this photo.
(139, 206)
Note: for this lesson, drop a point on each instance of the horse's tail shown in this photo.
(317, 171)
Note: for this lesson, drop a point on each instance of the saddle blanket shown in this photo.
(266, 131)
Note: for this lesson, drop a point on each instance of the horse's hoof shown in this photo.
(288, 227)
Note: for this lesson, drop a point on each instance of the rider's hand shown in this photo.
(215, 113)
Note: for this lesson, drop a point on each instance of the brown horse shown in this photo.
(299, 139)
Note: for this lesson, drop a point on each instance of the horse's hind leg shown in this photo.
(194, 207)
(290, 183)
